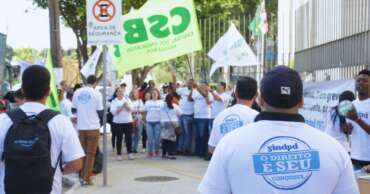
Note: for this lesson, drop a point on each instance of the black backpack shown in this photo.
(27, 157)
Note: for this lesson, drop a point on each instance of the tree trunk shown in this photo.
(139, 75)
(85, 55)
(78, 54)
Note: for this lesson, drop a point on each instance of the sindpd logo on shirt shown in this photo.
(84, 98)
(230, 123)
(286, 163)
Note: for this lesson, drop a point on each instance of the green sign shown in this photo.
(161, 30)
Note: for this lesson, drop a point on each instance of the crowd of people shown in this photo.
(193, 119)
(177, 119)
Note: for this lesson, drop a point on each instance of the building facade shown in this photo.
(332, 38)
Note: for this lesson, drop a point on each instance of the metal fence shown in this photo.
(212, 29)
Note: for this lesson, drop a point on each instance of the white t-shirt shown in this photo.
(229, 120)
(201, 109)
(360, 139)
(279, 157)
(333, 129)
(219, 106)
(64, 139)
(152, 109)
(66, 108)
(186, 106)
(124, 116)
(170, 115)
(137, 108)
(87, 102)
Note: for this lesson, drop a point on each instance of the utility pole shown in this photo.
(54, 14)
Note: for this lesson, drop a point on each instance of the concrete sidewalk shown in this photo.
(122, 175)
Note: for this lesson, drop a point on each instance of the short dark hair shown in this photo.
(123, 85)
(246, 88)
(347, 95)
(19, 94)
(69, 95)
(223, 84)
(35, 82)
(76, 87)
(92, 80)
(364, 72)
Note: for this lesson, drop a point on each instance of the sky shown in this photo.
(28, 26)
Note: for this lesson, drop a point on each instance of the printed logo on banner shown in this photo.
(286, 163)
(230, 123)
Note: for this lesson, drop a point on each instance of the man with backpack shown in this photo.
(37, 145)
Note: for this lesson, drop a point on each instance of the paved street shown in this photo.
(122, 175)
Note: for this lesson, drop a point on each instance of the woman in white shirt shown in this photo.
(170, 113)
(152, 118)
(137, 113)
(337, 126)
(121, 108)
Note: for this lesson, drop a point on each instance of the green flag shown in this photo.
(159, 31)
(254, 26)
(259, 24)
(53, 100)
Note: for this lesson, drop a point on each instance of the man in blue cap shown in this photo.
(279, 153)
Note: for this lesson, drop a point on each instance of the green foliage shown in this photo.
(161, 73)
(27, 54)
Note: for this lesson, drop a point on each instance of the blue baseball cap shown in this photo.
(282, 87)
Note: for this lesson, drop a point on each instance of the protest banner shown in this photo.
(319, 97)
(159, 31)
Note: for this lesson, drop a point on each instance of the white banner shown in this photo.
(319, 97)
(232, 50)
(104, 19)
(90, 67)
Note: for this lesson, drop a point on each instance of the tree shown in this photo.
(74, 16)
(28, 55)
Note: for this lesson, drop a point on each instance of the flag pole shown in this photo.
(263, 43)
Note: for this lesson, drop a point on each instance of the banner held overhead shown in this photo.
(159, 31)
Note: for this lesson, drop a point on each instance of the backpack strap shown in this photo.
(17, 115)
(46, 115)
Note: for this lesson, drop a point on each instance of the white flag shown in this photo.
(232, 50)
(90, 67)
